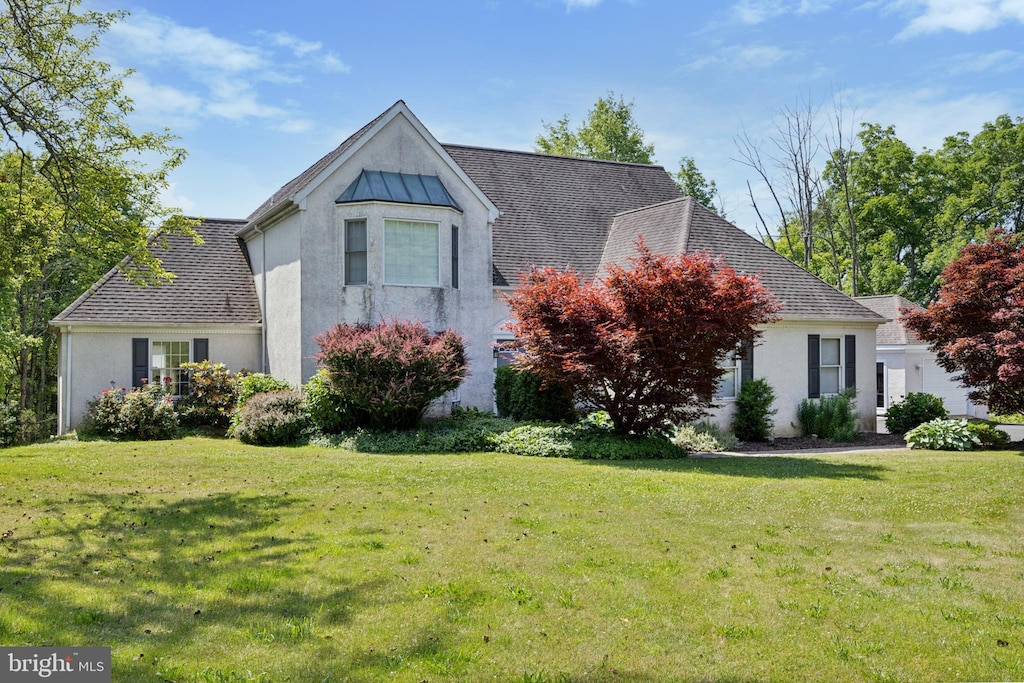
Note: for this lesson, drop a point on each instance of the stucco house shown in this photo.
(392, 223)
(903, 363)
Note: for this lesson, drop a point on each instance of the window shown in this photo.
(728, 383)
(504, 352)
(455, 257)
(355, 252)
(880, 392)
(831, 364)
(411, 253)
(165, 365)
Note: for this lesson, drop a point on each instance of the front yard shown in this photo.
(208, 560)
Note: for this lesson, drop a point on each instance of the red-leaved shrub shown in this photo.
(387, 374)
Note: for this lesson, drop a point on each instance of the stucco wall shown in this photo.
(102, 356)
(281, 300)
(316, 298)
(780, 357)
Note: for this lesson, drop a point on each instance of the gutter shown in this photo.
(263, 299)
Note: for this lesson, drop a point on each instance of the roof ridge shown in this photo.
(551, 156)
(687, 222)
(649, 206)
(325, 160)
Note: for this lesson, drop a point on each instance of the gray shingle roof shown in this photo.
(888, 306)
(405, 188)
(686, 225)
(304, 178)
(214, 284)
(556, 211)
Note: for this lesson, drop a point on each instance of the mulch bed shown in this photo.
(801, 443)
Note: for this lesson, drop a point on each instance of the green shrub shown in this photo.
(211, 397)
(565, 441)
(704, 437)
(145, 413)
(943, 435)
(988, 435)
(248, 385)
(466, 431)
(1017, 419)
(390, 372)
(9, 414)
(518, 394)
(831, 418)
(752, 420)
(917, 408)
(329, 412)
(274, 418)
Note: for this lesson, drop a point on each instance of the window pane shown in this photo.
(829, 352)
(355, 236)
(167, 357)
(355, 268)
(411, 253)
(829, 380)
(727, 385)
(355, 252)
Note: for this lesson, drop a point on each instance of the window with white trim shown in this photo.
(831, 367)
(355, 252)
(729, 383)
(166, 358)
(411, 253)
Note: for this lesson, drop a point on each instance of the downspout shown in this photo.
(263, 299)
(66, 422)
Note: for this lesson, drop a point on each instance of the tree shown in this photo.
(692, 183)
(75, 194)
(643, 343)
(976, 326)
(609, 133)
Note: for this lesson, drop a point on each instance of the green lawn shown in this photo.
(207, 560)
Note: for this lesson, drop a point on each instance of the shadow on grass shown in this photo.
(774, 467)
(140, 576)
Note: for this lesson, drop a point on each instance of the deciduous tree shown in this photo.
(976, 326)
(644, 342)
(609, 132)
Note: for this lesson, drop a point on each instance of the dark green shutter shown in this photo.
(200, 350)
(140, 361)
(813, 366)
(851, 361)
(747, 357)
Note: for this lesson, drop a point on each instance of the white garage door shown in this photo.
(937, 381)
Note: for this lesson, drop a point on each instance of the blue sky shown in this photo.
(259, 91)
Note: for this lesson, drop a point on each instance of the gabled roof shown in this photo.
(556, 211)
(685, 225)
(213, 284)
(403, 188)
(295, 191)
(888, 306)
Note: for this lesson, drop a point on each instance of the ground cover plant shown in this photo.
(208, 560)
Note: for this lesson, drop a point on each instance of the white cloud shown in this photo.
(570, 5)
(744, 58)
(171, 197)
(211, 75)
(161, 103)
(924, 118)
(757, 11)
(1001, 61)
(964, 16)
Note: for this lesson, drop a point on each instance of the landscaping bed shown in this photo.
(800, 443)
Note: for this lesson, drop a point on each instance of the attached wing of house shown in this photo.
(392, 223)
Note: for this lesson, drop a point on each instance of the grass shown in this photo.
(207, 560)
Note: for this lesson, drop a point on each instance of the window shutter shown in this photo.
(747, 356)
(813, 366)
(851, 361)
(140, 361)
(200, 350)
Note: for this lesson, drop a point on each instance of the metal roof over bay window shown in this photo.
(403, 188)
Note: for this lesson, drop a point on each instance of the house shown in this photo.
(903, 363)
(394, 224)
